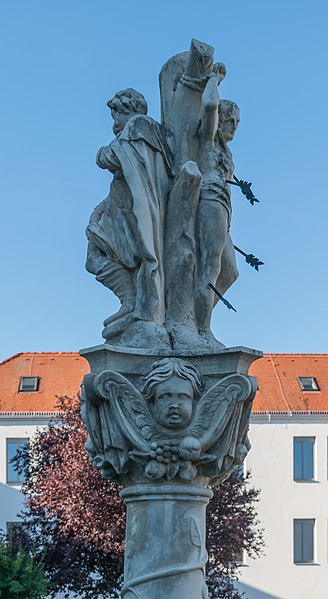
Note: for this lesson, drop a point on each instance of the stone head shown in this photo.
(171, 386)
(124, 105)
(229, 118)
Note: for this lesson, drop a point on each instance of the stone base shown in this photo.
(165, 542)
(134, 363)
(134, 440)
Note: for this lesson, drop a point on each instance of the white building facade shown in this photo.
(288, 462)
(16, 429)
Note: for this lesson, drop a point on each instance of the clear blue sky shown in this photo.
(61, 61)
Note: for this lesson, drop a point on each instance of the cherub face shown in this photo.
(173, 402)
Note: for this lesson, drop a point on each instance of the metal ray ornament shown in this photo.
(223, 299)
(245, 188)
(250, 258)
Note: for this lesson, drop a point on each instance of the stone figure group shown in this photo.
(162, 234)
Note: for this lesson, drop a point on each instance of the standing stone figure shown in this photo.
(219, 122)
(201, 239)
(166, 405)
(125, 231)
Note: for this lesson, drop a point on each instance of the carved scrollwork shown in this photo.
(167, 432)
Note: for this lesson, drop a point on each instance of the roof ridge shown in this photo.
(40, 353)
(60, 353)
(11, 357)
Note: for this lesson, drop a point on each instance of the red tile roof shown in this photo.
(279, 389)
(62, 373)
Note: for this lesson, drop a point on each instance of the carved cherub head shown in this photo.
(163, 429)
(229, 118)
(171, 386)
(124, 105)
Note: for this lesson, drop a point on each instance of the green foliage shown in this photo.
(21, 577)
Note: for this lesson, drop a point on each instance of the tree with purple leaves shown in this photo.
(232, 530)
(77, 519)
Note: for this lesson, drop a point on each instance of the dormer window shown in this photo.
(29, 383)
(308, 383)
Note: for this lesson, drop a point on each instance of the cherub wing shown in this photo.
(216, 406)
(131, 411)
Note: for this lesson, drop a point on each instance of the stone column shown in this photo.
(165, 553)
(166, 429)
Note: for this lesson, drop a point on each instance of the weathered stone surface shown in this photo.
(134, 363)
(165, 425)
(166, 405)
(178, 512)
(162, 234)
(180, 259)
(173, 421)
(126, 230)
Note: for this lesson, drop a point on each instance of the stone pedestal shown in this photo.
(165, 553)
(133, 363)
(166, 425)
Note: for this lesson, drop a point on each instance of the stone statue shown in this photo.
(125, 231)
(162, 234)
(202, 128)
(166, 405)
(215, 249)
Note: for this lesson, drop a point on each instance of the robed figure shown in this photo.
(126, 230)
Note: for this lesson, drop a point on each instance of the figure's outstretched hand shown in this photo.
(220, 70)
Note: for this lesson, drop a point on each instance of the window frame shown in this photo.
(240, 559)
(302, 522)
(303, 477)
(308, 378)
(20, 441)
(11, 525)
(17, 532)
(21, 384)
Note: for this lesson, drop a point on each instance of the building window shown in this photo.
(303, 458)
(16, 531)
(12, 527)
(240, 558)
(303, 541)
(29, 383)
(17, 534)
(13, 477)
(308, 383)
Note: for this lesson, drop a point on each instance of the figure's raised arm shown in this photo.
(210, 102)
